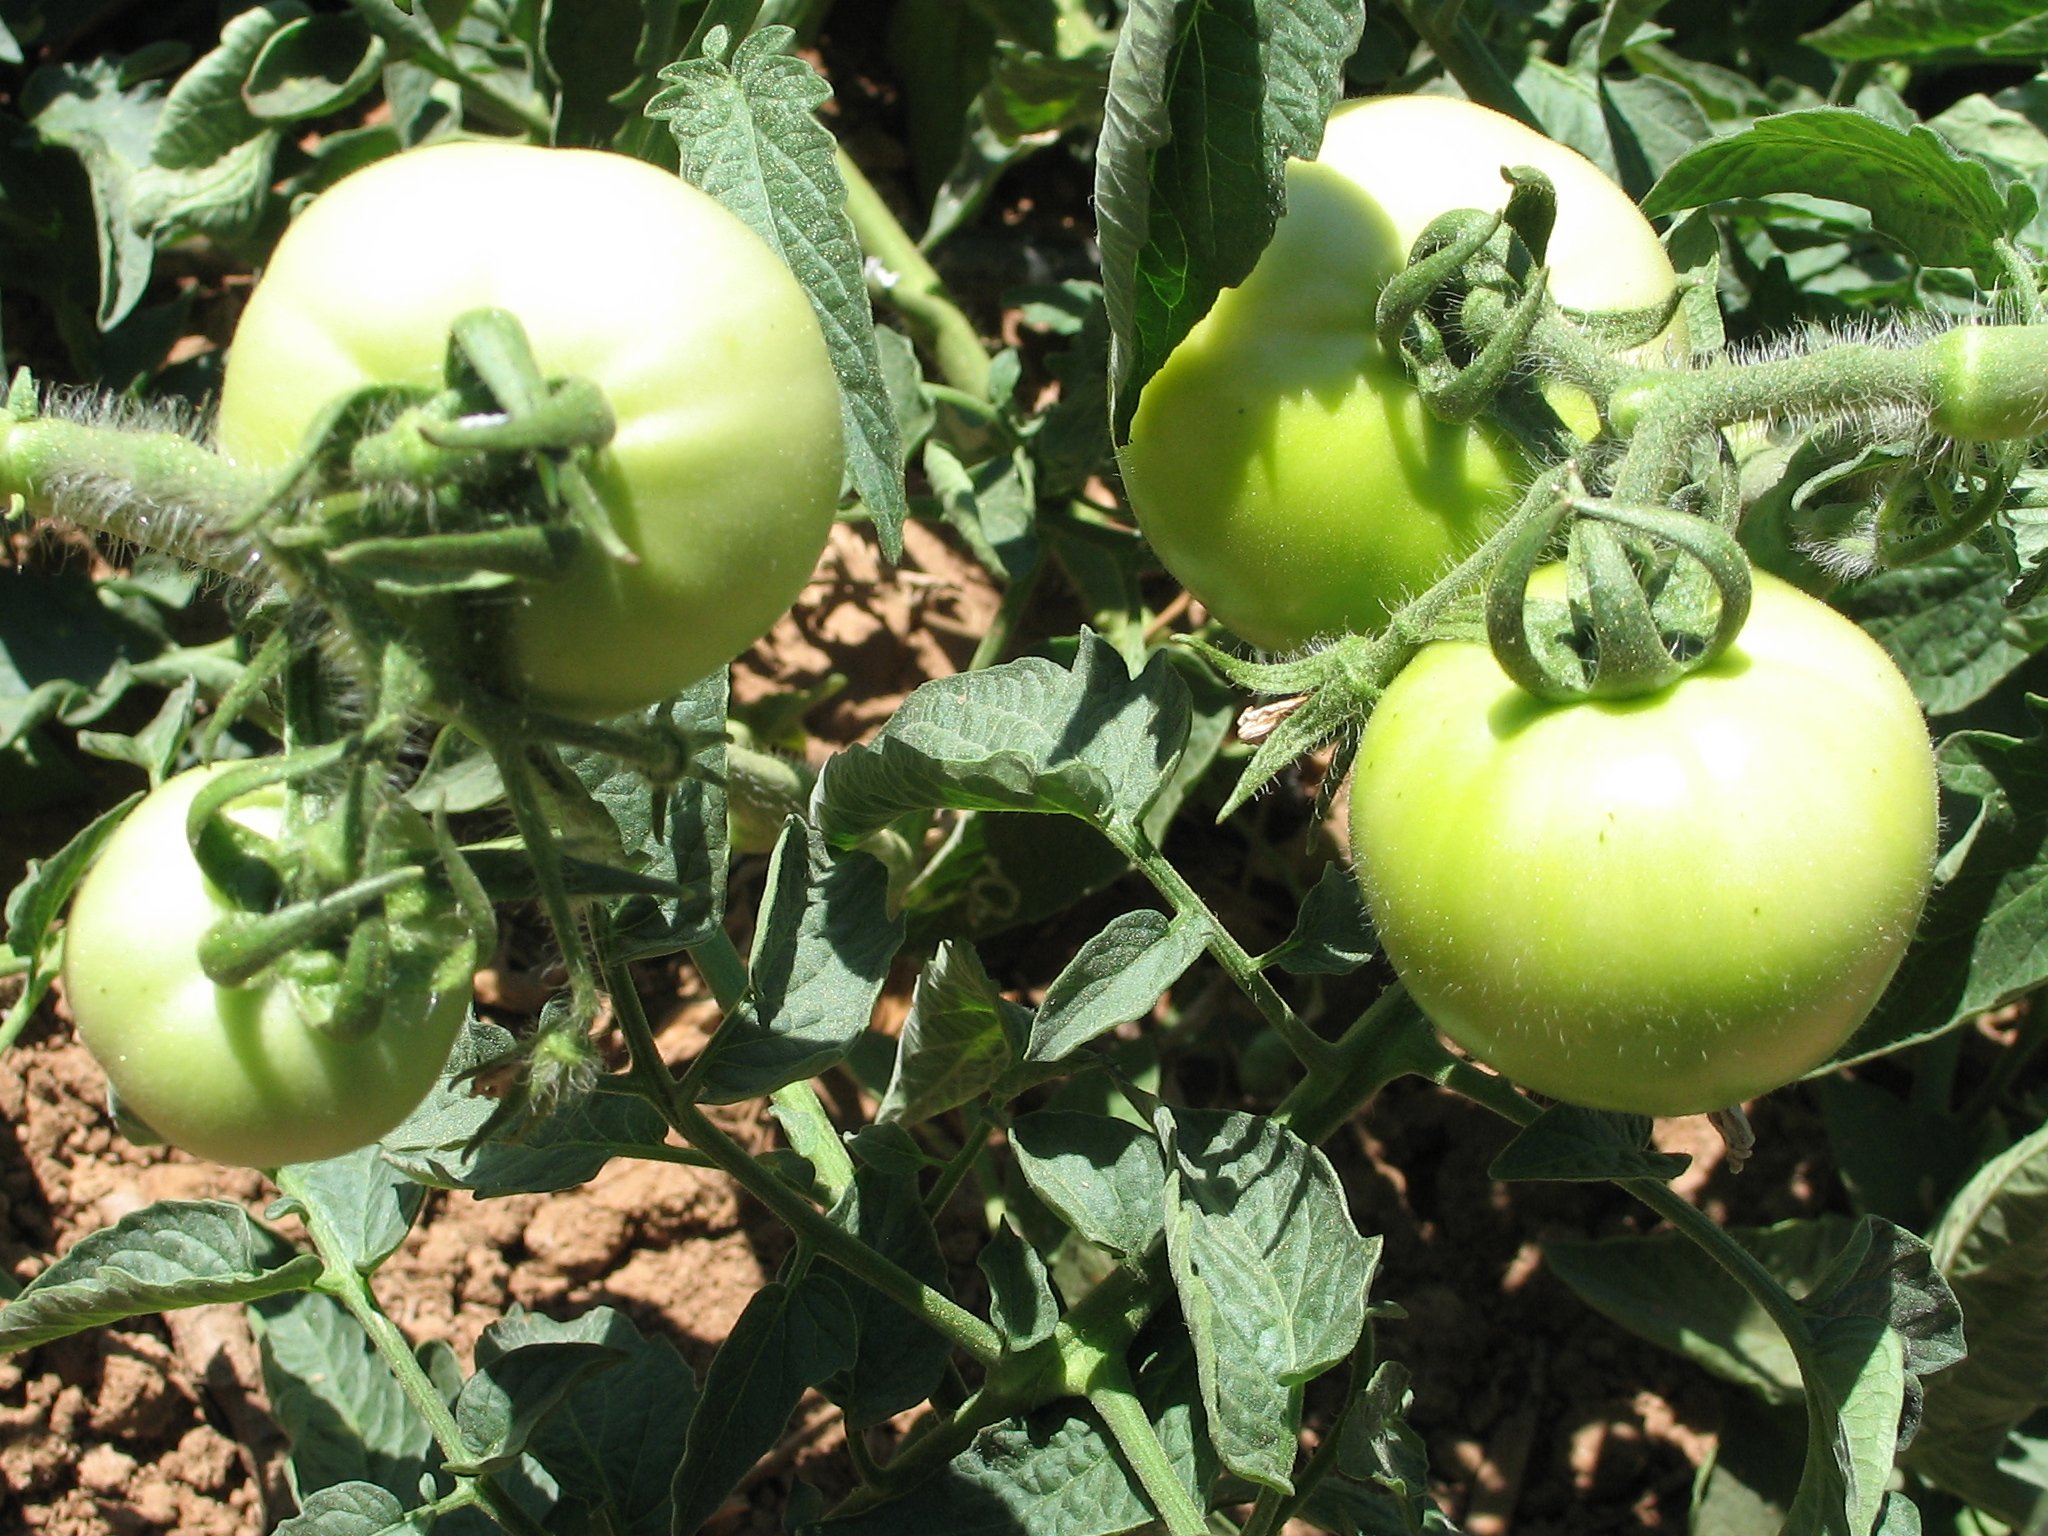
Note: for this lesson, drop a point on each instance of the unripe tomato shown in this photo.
(1665, 904)
(1280, 463)
(725, 472)
(245, 1074)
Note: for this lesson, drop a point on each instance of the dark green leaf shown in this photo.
(901, 1359)
(1102, 1175)
(1944, 210)
(1920, 29)
(343, 1411)
(822, 950)
(176, 1253)
(1092, 742)
(204, 117)
(749, 136)
(1984, 937)
(960, 1037)
(346, 1509)
(1206, 103)
(312, 67)
(1332, 932)
(788, 1339)
(83, 109)
(1567, 1142)
(1021, 1304)
(1944, 620)
(514, 1391)
(1271, 1273)
(1118, 976)
(613, 1445)
(364, 1203)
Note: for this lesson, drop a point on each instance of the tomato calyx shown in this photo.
(1652, 594)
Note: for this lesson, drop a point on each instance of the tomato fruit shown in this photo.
(1666, 904)
(725, 472)
(244, 1074)
(1280, 463)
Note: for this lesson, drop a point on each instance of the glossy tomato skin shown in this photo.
(725, 472)
(241, 1074)
(1662, 905)
(1280, 463)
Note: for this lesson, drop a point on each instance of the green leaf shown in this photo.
(1021, 1304)
(364, 1203)
(789, 1338)
(901, 1359)
(515, 1388)
(1922, 29)
(33, 907)
(176, 1253)
(822, 950)
(83, 109)
(346, 1509)
(1662, 1288)
(204, 116)
(614, 1443)
(959, 1039)
(1861, 1391)
(673, 833)
(991, 506)
(1206, 103)
(311, 67)
(1984, 937)
(1029, 735)
(1944, 620)
(1992, 1244)
(1381, 1479)
(1117, 977)
(1053, 1472)
(749, 137)
(601, 84)
(1102, 1175)
(1586, 1145)
(1944, 210)
(346, 1417)
(1332, 931)
(1271, 1273)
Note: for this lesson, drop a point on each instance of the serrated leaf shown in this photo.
(789, 1338)
(204, 116)
(176, 1253)
(1920, 29)
(613, 1445)
(347, 1509)
(1861, 1391)
(1102, 1175)
(749, 136)
(958, 1040)
(1205, 105)
(1945, 621)
(1571, 1143)
(1983, 939)
(822, 950)
(1021, 1304)
(1271, 1274)
(363, 1203)
(1992, 1244)
(1118, 976)
(1332, 931)
(992, 506)
(514, 1391)
(900, 1359)
(1029, 735)
(1944, 210)
(346, 1417)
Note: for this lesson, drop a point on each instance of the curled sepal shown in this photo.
(1532, 207)
(1470, 390)
(246, 866)
(241, 946)
(1439, 257)
(1636, 622)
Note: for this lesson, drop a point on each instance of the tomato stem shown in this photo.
(1113, 1396)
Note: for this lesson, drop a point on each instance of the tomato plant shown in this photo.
(249, 1074)
(1664, 904)
(1281, 463)
(725, 470)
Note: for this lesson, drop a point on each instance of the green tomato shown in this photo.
(1280, 463)
(724, 475)
(1663, 905)
(245, 1074)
